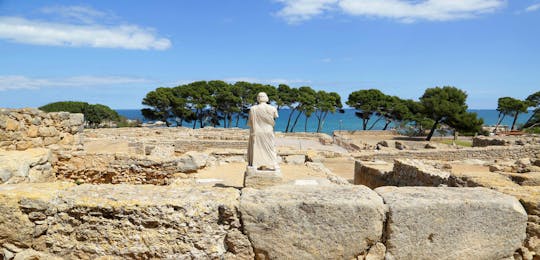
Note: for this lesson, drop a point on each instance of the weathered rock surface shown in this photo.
(32, 165)
(126, 221)
(312, 222)
(452, 223)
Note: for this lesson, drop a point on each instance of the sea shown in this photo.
(337, 121)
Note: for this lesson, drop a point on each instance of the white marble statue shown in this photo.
(262, 147)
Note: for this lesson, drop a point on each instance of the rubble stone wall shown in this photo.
(124, 168)
(21, 129)
(484, 153)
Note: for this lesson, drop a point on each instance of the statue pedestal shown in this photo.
(258, 179)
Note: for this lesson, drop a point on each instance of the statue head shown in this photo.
(262, 97)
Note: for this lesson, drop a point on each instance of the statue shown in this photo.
(262, 148)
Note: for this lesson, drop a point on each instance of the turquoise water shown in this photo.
(339, 121)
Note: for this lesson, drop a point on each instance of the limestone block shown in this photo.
(296, 159)
(32, 131)
(146, 220)
(30, 254)
(15, 225)
(452, 223)
(376, 252)
(47, 131)
(6, 254)
(23, 145)
(162, 151)
(51, 140)
(372, 173)
(66, 139)
(199, 159)
(12, 125)
(122, 221)
(258, 179)
(409, 172)
(312, 221)
(18, 163)
(191, 162)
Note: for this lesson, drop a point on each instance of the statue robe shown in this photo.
(262, 145)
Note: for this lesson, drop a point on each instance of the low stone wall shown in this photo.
(484, 153)
(481, 141)
(365, 133)
(123, 168)
(21, 129)
(65, 221)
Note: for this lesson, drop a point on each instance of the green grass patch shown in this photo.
(458, 142)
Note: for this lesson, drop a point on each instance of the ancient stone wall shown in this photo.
(124, 168)
(21, 129)
(481, 141)
(484, 153)
(66, 221)
(365, 133)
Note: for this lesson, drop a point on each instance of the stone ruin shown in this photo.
(73, 201)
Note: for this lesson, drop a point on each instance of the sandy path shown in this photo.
(232, 174)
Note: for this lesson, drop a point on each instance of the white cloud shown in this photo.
(15, 82)
(79, 13)
(532, 8)
(296, 11)
(401, 10)
(82, 31)
(267, 81)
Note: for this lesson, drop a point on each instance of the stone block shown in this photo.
(258, 179)
(18, 163)
(372, 173)
(47, 131)
(32, 131)
(409, 172)
(312, 221)
(123, 221)
(12, 125)
(452, 223)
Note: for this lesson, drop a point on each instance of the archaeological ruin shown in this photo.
(149, 193)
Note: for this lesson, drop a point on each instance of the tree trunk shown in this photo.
(289, 120)
(499, 120)
(428, 138)
(195, 120)
(387, 124)
(364, 123)
(374, 123)
(296, 121)
(515, 119)
(305, 124)
(238, 118)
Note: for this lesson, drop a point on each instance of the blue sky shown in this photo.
(114, 52)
